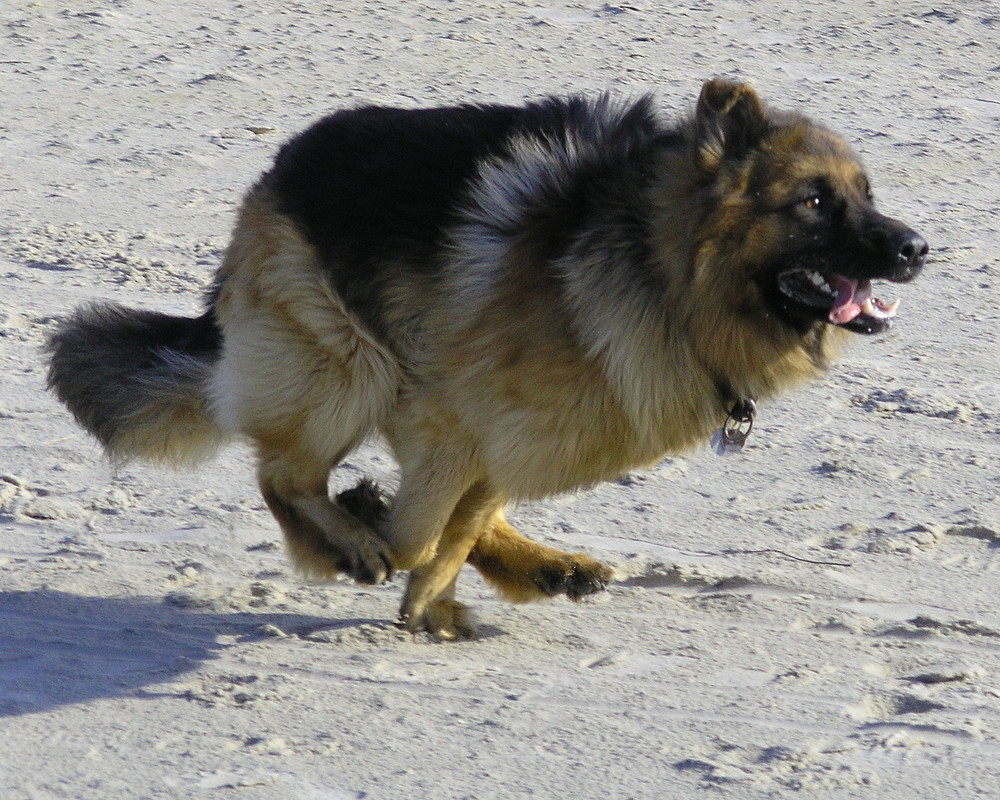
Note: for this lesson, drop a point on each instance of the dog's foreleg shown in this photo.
(429, 603)
(435, 476)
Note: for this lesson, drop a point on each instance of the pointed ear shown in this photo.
(729, 121)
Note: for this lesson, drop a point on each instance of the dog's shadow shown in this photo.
(59, 649)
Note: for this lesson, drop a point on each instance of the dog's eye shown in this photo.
(813, 202)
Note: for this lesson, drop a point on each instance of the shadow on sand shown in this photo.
(58, 648)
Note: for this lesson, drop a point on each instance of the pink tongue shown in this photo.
(849, 300)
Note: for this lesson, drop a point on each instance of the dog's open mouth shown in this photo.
(848, 302)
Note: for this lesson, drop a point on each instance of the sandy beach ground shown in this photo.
(816, 617)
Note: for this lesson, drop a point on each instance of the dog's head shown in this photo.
(791, 214)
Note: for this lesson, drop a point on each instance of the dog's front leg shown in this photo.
(429, 603)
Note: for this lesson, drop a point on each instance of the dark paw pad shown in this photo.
(574, 579)
(372, 571)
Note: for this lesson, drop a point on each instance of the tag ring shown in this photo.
(739, 423)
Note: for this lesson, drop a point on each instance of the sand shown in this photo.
(816, 616)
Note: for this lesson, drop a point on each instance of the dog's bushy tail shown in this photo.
(137, 380)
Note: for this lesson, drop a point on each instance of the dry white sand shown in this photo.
(818, 616)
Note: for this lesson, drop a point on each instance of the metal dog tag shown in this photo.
(723, 445)
(735, 431)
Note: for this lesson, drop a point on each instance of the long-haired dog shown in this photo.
(519, 300)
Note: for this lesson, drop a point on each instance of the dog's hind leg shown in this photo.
(306, 410)
(522, 570)
(302, 378)
(323, 538)
(429, 603)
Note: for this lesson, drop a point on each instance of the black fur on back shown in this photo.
(375, 189)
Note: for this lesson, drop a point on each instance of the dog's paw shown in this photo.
(574, 575)
(370, 561)
(366, 502)
(443, 618)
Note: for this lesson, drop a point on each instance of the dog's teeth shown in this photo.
(819, 282)
(878, 309)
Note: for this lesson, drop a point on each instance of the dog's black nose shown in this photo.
(912, 251)
(900, 249)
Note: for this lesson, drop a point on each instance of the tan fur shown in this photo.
(523, 571)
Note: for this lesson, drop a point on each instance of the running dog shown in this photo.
(520, 300)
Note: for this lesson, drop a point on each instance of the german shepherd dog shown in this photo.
(520, 300)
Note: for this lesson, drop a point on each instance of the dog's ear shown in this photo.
(729, 121)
